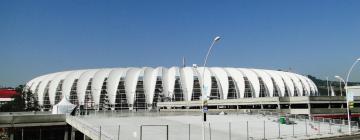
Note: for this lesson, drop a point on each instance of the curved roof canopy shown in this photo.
(94, 81)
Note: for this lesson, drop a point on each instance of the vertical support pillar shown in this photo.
(66, 134)
(11, 133)
(22, 133)
(40, 134)
(72, 135)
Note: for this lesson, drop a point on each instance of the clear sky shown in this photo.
(317, 37)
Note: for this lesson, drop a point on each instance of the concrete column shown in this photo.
(11, 133)
(66, 134)
(72, 135)
(22, 133)
(86, 137)
(40, 133)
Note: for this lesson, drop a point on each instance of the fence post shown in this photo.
(100, 133)
(229, 130)
(141, 132)
(247, 130)
(279, 127)
(293, 129)
(330, 126)
(264, 130)
(189, 131)
(167, 132)
(319, 127)
(306, 133)
(209, 131)
(119, 133)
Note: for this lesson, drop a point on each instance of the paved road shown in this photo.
(353, 137)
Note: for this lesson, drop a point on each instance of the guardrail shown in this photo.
(92, 132)
(18, 119)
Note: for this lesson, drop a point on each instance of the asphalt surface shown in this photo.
(353, 137)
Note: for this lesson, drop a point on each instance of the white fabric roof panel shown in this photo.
(253, 80)
(206, 79)
(54, 84)
(223, 80)
(278, 81)
(267, 81)
(168, 76)
(150, 77)
(42, 87)
(187, 80)
(97, 82)
(113, 82)
(297, 83)
(83, 83)
(239, 79)
(35, 83)
(132, 76)
(288, 83)
(305, 84)
(312, 85)
(69, 81)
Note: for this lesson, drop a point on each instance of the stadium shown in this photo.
(142, 88)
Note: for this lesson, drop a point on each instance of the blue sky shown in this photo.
(317, 37)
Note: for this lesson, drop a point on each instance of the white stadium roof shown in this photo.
(259, 81)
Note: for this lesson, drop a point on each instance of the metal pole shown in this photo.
(247, 130)
(22, 133)
(119, 133)
(189, 131)
(229, 130)
(327, 85)
(279, 127)
(209, 131)
(40, 133)
(100, 133)
(341, 94)
(203, 84)
(346, 89)
(293, 129)
(264, 130)
(330, 126)
(306, 132)
(167, 132)
(319, 127)
(141, 132)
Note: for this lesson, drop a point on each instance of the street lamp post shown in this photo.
(340, 80)
(203, 96)
(347, 94)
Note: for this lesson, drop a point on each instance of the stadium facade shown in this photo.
(141, 88)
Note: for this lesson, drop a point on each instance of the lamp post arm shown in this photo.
(348, 74)
(208, 53)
